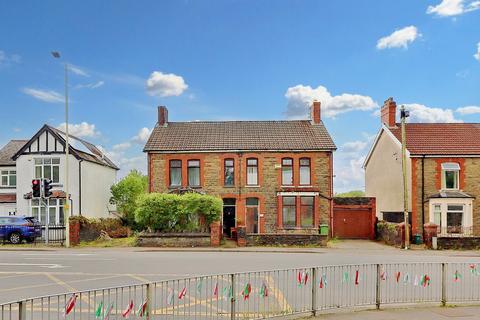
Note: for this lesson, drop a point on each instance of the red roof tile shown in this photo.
(441, 138)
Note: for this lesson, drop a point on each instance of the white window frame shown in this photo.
(58, 205)
(7, 173)
(42, 165)
(450, 167)
(252, 173)
(467, 218)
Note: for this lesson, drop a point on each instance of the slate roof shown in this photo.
(7, 152)
(441, 138)
(289, 135)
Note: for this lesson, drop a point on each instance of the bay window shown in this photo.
(305, 172)
(193, 173)
(49, 212)
(452, 216)
(175, 173)
(252, 171)
(287, 171)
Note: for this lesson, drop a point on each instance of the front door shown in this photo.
(228, 216)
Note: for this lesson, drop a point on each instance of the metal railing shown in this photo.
(455, 231)
(262, 294)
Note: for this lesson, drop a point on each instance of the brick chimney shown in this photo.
(315, 112)
(388, 113)
(162, 116)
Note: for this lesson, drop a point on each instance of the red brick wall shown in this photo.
(212, 170)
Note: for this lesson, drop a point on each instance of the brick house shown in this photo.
(443, 165)
(275, 177)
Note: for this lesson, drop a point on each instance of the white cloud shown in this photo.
(78, 71)
(300, 98)
(468, 110)
(80, 130)
(44, 95)
(93, 85)
(122, 146)
(422, 113)
(165, 84)
(354, 146)
(399, 38)
(142, 136)
(126, 163)
(6, 59)
(477, 55)
(448, 8)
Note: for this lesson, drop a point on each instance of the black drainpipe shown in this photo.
(80, 187)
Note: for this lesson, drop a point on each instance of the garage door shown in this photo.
(352, 223)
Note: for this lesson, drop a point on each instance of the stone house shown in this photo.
(443, 166)
(275, 177)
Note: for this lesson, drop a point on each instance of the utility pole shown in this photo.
(403, 115)
(66, 206)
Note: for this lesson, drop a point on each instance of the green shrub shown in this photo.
(176, 213)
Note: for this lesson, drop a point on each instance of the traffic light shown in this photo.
(46, 188)
(36, 188)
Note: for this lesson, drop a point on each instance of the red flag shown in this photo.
(299, 278)
(182, 293)
(305, 278)
(356, 278)
(128, 310)
(215, 290)
(246, 291)
(398, 276)
(70, 305)
(321, 283)
(143, 309)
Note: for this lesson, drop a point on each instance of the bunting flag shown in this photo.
(199, 286)
(107, 312)
(425, 281)
(246, 291)
(142, 311)
(473, 269)
(415, 282)
(170, 297)
(128, 310)
(457, 276)
(299, 278)
(346, 277)
(305, 277)
(383, 275)
(182, 293)
(356, 278)
(406, 278)
(99, 311)
(70, 305)
(228, 293)
(215, 290)
(302, 278)
(397, 276)
(264, 290)
(323, 281)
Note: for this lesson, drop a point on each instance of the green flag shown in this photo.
(99, 311)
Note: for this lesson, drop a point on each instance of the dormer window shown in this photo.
(450, 175)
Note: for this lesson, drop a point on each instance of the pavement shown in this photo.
(417, 313)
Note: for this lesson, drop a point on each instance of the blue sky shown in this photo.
(246, 60)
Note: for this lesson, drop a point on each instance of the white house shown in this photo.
(91, 174)
(8, 177)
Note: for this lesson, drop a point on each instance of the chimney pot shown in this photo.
(388, 113)
(315, 112)
(162, 116)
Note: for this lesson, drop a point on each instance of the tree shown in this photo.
(125, 194)
(353, 193)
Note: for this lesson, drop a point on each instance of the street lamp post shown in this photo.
(403, 115)
(66, 207)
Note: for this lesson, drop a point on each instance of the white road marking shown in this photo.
(60, 254)
(42, 265)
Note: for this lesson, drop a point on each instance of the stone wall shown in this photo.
(469, 183)
(174, 240)
(455, 243)
(285, 240)
(212, 169)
